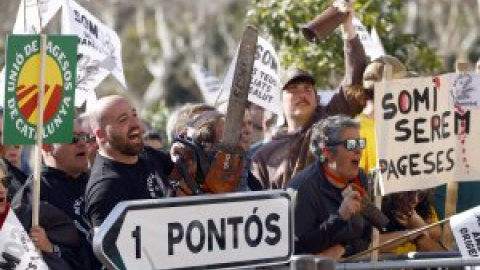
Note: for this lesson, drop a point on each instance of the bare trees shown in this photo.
(162, 37)
(451, 26)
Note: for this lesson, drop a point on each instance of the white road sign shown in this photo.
(211, 232)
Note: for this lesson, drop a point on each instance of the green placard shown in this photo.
(22, 77)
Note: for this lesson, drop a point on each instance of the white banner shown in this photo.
(15, 242)
(28, 19)
(422, 141)
(208, 83)
(224, 92)
(99, 49)
(2, 86)
(91, 101)
(371, 42)
(466, 230)
(265, 84)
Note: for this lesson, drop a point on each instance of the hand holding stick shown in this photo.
(405, 236)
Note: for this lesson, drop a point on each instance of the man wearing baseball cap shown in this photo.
(276, 162)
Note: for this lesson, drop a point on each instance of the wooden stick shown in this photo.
(39, 134)
(377, 196)
(402, 237)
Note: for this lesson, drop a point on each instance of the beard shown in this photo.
(122, 145)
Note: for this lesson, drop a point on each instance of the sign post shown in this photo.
(39, 95)
(211, 232)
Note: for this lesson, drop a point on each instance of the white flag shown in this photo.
(99, 49)
(224, 92)
(2, 86)
(28, 19)
(466, 230)
(378, 49)
(208, 83)
(16, 246)
(91, 100)
(372, 45)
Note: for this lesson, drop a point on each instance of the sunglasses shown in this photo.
(351, 144)
(81, 137)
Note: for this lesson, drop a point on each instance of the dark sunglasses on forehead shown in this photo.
(350, 144)
(81, 137)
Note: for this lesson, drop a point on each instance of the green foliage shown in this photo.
(157, 117)
(283, 19)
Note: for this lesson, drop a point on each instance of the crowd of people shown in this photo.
(321, 156)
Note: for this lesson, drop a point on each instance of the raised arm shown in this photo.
(350, 99)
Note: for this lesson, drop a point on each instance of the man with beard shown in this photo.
(276, 162)
(123, 170)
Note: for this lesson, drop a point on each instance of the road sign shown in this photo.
(211, 232)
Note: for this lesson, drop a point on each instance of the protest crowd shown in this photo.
(323, 154)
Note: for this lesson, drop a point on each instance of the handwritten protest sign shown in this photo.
(423, 141)
(467, 126)
(265, 84)
(15, 242)
(466, 230)
(99, 49)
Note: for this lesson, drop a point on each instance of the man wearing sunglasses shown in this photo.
(276, 162)
(328, 195)
(64, 178)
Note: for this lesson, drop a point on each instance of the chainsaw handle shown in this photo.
(182, 168)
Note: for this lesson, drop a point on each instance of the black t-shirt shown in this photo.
(112, 182)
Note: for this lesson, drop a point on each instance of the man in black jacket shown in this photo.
(328, 195)
(64, 180)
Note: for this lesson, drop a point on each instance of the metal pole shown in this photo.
(409, 264)
(311, 262)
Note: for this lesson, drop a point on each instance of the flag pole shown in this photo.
(39, 131)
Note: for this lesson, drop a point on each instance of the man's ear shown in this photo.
(327, 153)
(99, 133)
